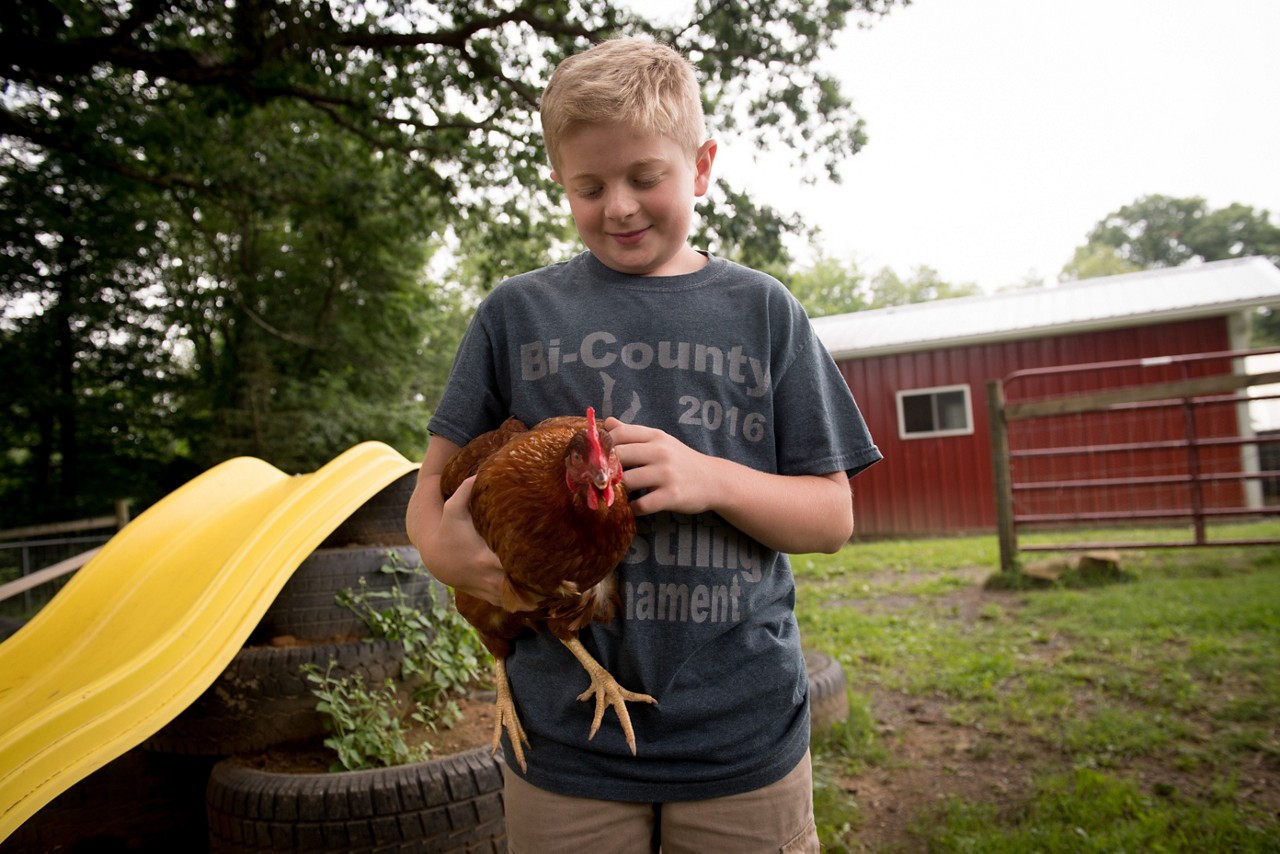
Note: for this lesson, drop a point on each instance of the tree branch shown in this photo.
(11, 125)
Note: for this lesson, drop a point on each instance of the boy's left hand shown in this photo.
(788, 513)
(675, 476)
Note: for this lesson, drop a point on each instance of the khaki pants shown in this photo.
(777, 818)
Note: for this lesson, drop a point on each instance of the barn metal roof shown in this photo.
(1153, 296)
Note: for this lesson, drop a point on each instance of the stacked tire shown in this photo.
(190, 786)
(453, 803)
(828, 693)
(448, 804)
(140, 801)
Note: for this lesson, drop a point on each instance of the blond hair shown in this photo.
(643, 85)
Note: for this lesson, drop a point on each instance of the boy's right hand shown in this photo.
(456, 554)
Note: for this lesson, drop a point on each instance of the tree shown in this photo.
(303, 300)
(449, 85)
(87, 390)
(828, 286)
(1236, 231)
(216, 219)
(1092, 261)
(1163, 231)
(924, 285)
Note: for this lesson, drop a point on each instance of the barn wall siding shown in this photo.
(943, 485)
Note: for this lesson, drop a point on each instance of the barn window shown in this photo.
(929, 412)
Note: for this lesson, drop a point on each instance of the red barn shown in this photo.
(919, 372)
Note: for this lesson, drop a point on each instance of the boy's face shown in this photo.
(632, 197)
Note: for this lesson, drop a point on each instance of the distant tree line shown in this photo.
(1152, 232)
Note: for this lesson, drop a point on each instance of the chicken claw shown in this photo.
(506, 717)
(606, 689)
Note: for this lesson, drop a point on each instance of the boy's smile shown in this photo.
(632, 196)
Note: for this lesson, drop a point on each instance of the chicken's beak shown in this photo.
(601, 487)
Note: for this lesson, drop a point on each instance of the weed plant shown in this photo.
(442, 653)
(367, 728)
(442, 661)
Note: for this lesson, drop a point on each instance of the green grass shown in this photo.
(1086, 811)
(1089, 693)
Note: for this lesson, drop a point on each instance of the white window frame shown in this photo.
(967, 430)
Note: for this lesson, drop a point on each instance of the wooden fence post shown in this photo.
(1001, 476)
(122, 513)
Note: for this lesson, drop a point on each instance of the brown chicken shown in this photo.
(551, 505)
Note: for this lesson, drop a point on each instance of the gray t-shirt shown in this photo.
(725, 360)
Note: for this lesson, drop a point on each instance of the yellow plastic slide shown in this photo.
(152, 620)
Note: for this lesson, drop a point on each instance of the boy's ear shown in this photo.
(702, 166)
(555, 176)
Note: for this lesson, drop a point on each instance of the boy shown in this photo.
(737, 436)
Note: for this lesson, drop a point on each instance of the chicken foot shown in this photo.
(506, 718)
(606, 689)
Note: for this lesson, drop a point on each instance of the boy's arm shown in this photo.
(795, 514)
(443, 531)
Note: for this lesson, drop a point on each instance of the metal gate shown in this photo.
(1131, 454)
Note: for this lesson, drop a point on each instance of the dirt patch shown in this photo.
(929, 759)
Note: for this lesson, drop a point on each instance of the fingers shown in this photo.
(660, 471)
(623, 433)
(646, 455)
(457, 508)
(638, 445)
(463, 493)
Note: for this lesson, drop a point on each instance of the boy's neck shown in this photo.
(689, 261)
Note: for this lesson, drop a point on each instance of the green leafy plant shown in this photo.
(442, 661)
(442, 653)
(390, 613)
(451, 663)
(367, 725)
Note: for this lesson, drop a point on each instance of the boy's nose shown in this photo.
(620, 204)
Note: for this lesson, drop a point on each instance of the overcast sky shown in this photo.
(1001, 131)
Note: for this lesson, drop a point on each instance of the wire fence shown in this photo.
(1132, 454)
(21, 559)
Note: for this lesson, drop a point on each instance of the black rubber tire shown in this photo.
(307, 607)
(449, 804)
(262, 699)
(828, 697)
(137, 802)
(380, 520)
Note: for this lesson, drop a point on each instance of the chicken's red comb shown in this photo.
(593, 438)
